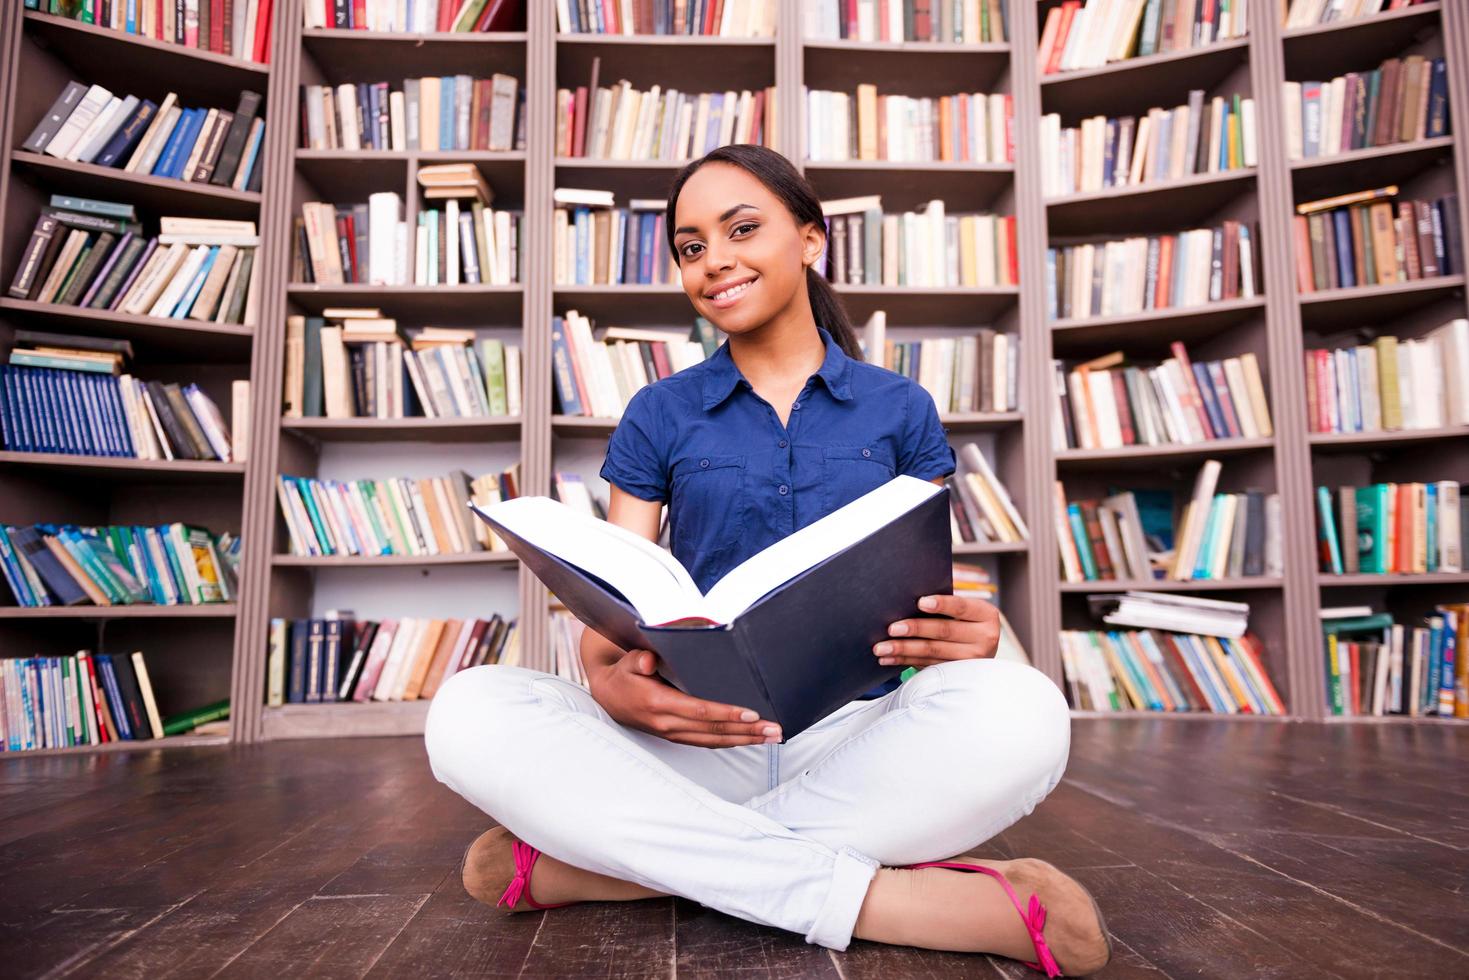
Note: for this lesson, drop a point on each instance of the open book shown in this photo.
(788, 632)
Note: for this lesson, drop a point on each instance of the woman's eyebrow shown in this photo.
(722, 218)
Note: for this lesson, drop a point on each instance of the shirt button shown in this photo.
(784, 489)
(782, 444)
(704, 463)
(866, 452)
(796, 405)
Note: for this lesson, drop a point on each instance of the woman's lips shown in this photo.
(728, 296)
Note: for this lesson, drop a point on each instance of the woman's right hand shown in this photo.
(634, 695)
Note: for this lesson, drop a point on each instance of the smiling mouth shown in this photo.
(728, 294)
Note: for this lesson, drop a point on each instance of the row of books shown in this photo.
(565, 640)
(1154, 272)
(1390, 384)
(1392, 528)
(453, 112)
(968, 127)
(598, 244)
(1405, 99)
(1367, 239)
(596, 376)
(89, 124)
(929, 21)
(353, 363)
(89, 699)
(963, 374)
(980, 508)
(120, 565)
(368, 243)
(1305, 13)
(340, 658)
(236, 28)
(1076, 36)
(394, 516)
(1376, 665)
(927, 247)
(419, 17)
(624, 123)
(94, 254)
(1165, 144)
(1154, 670)
(720, 18)
(1106, 403)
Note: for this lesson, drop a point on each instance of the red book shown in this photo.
(359, 14)
(579, 122)
(498, 15)
(1191, 688)
(757, 119)
(922, 20)
(1106, 571)
(261, 48)
(1162, 297)
(1354, 651)
(1068, 15)
(347, 229)
(1009, 129)
(716, 15)
(660, 360)
(1195, 397)
(1249, 646)
(1012, 252)
(1313, 405)
(216, 26)
(447, 10)
(1323, 388)
(158, 29)
(1124, 410)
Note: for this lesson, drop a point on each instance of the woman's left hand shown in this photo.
(965, 629)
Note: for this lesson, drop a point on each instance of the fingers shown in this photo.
(671, 713)
(708, 741)
(921, 653)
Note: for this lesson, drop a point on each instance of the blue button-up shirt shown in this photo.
(736, 480)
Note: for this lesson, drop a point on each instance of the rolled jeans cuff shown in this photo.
(837, 918)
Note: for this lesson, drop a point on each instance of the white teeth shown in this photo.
(734, 291)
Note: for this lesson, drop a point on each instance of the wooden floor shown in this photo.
(1216, 849)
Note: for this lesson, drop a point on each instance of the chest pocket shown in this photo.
(708, 506)
(850, 471)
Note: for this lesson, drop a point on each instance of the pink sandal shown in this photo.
(1033, 916)
(519, 887)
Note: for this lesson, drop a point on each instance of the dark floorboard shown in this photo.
(1215, 849)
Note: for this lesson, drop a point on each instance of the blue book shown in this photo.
(1211, 404)
(1052, 313)
(112, 392)
(15, 576)
(1355, 389)
(30, 543)
(563, 374)
(1431, 535)
(128, 134)
(1435, 665)
(252, 156)
(192, 293)
(446, 112)
(1438, 101)
(73, 406)
(1209, 540)
(91, 424)
(1140, 678)
(164, 163)
(1109, 153)
(582, 221)
(1326, 532)
(103, 426)
(1449, 660)
(186, 143)
(114, 696)
(9, 428)
(648, 251)
(1083, 543)
(1346, 269)
(40, 394)
(331, 658)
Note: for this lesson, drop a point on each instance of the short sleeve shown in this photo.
(637, 453)
(925, 452)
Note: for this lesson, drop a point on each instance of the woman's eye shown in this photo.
(749, 225)
(689, 250)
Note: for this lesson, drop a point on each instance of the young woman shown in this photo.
(633, 789)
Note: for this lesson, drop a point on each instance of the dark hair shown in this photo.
(783, 180)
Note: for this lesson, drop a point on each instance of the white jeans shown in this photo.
(784, 835)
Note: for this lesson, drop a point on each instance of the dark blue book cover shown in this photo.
(113, 691)
(296, 682)
(332, 657)
(1438, 101)
(315, 640)
(1211, 405)
(562, 370)
(122, 143)
(1346, 266)
(164, 164)
(185, 146)
(38, 394)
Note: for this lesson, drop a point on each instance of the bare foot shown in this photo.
(938, 908)
(489, 867)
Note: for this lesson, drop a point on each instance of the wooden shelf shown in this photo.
(965, 421)
(917, 68)
(1081, 715)
(1185, 323)
(1325, 50)
(1145, 82)
(1353, 441)
(122, 468)
(1257, 582)
(664, 40)
(335, 719)
(150, 192)
(120, 51)
(393, 561)
(443, 305)
(1394, 720)
(1317, 177)
(1334, 308)
(208, 610)
(582, 425)
(606, 163)
(409, 429)
(950, 305)
(987, 49)
(314, 37)
(991, 548)
(1156, 206)
(142, 745)
(907, 186)
(1151, 455)
(1327, 580)
(194, 339)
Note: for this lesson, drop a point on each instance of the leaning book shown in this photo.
(788, 632)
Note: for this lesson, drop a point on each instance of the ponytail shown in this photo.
(827, 308)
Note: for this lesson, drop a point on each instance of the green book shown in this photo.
(704, 333)
(1372, 528)
(492, 357)
(58, 361)
(87, 205)
(189, 720)
(1326, 531)
(1359, 624)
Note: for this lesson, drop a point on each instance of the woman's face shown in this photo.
(742, 256)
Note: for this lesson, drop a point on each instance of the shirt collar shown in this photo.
(723, 374)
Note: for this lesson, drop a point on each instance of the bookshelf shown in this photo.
(224, 647)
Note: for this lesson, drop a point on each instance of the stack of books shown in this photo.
(1173, 612)
(980, 507)
(620, 122)
(1103, 31)
(419, 17)
(731, 18)
(1106, 403)
(1367, 239)
(1405, 99)
(1165, 144)
(209, 146)
(1153, 670)
(963, 374)
(927, 247)
(969, 127)
(94, 254)
(235, 28)
(1156, 272)
(395, 516)
(89, 699)
(466, 242)
(1391, 385)
(929, 21)
(1129, 536)
(1392, 528)
(1378, 666)
(596, 376)
(595, 243)
(455, 112)
(566, 634)
(1305, 13)
(167, 565)
(340, 658)
(66, 394)
(352, 363)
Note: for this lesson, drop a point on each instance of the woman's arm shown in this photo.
(641, 517)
